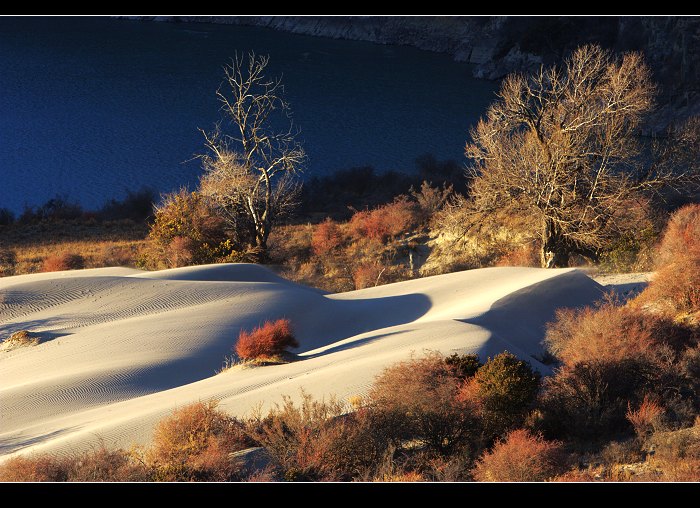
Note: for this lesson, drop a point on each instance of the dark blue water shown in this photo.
(91, 107)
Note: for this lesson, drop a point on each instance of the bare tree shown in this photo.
(249, 173)
(561, 147)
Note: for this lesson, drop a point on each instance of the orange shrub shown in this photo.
(646, 418)
(366, 275)
(384, 222)
(194, 443)
(676, 287)
(266, 341)
(418, 399)
(606, 333)
(520, 457)
(682, 235)
(326, 237)
(61, 262)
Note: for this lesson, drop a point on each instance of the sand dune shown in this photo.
(121, 348)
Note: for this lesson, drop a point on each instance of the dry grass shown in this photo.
(101, 244)
(22, 338)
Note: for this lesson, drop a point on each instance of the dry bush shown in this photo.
(367, 275)
(20, 338)
(525, 255)
(430, 199)
(267, 341)
(118, 255)
(463, 366)
(317, 440)
(99, 465)
(180, 251)
(682, 235)
(194, 444)
(588, 401)
(62, 262)
(520, 457)
(580, 475)
(384, 222)
(505, 389)
(606, 333)
(419, 401)
(647, 418)
(326, 238)
(186, 230)
(8, 262)
(609, 332)
(37, 468)
(675, 290)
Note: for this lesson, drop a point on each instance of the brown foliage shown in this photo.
(384, 222)
(646, 418)
(420, 397)
(194, 443)
(8, 261)
(326, 238)
(95, 466)
(266, 341)
(61, 262)
(367, 275)
(316, 440)
(676, 287)
(520, 457)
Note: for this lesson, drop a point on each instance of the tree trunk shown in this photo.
(554, 253)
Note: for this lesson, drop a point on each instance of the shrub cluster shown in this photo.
(268, 341)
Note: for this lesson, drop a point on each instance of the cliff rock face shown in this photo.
(500, 45)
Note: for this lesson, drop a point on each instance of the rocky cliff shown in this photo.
(500, 45)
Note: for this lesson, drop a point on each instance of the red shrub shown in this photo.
(646, 418)
(266, 341)
(61, 262)
(41, 468)
(682, 235)
(521, 457)
(385, 221)
(676, 287)
(607, 333)
(367, 275)
(326, 237)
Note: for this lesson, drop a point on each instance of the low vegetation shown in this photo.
(22, 338)
(266, 343)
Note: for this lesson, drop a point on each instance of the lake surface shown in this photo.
(91, 107)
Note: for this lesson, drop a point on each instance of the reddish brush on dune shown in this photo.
(266, 341)
(61, 262)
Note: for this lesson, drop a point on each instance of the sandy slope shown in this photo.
(123, 347)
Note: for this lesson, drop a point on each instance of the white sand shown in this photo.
(123, 347)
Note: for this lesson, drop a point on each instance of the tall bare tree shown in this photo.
(251, 164)
(561, 147)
